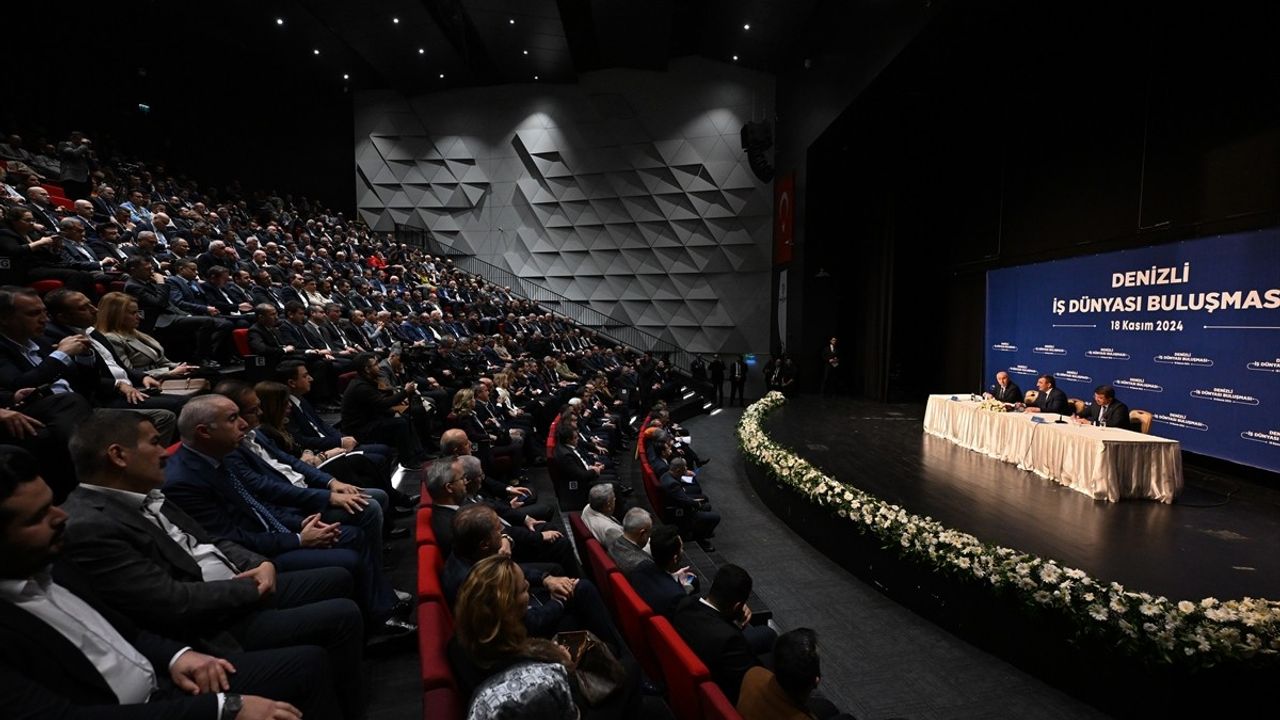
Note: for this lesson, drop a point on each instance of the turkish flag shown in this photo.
(784, 213)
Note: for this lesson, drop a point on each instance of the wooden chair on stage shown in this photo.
(1077, 405)
(1140, 420)
(1030, 397)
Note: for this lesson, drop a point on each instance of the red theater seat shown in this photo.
(632, 615)
(600, 566)
(426, 536)
(240, 336)
(581, 534)
(442, 704)
(715, 706)
(44, 287)
(435, 627)
(430, 563)
(681, 668)
(344, 380)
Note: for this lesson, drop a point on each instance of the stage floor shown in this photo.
(1220, 539)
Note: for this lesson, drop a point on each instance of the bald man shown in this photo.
(1004, 390)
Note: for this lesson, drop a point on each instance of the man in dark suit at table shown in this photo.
(1105, 410)
(1005, 390)
(1050, 399)
(63, 651)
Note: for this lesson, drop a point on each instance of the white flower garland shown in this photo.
(1203, 633)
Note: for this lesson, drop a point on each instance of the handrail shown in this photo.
(584, 315)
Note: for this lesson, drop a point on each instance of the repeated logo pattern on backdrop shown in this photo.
(1188, 331)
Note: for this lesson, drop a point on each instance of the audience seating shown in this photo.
(240, 336)
(424, 533)
(44, 287)
(435, 627)
(600, 565)
(430, 563)
(715, 706)
(682, 670)
(580, 532)
(632, 614)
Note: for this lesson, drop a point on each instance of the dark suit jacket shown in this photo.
(54, 333)
(674, 493)
(718, 642)
(363, 404)
(656, 587)
(1117, 415)
(1054, 401)
(142, 573)
(211, 499)
(264, 342)
(1010, 393)
(153, 300)
(314, 435)
(571, 470)
(265, 296)
(43, 675)
(17, 372)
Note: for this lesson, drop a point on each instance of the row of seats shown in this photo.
(659, 649)
(661, 652)
(651, 487)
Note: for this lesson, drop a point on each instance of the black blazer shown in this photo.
(363, 405)
(718, 642)
(16, 372)
(43, 675)
(264, 342)
(141, 572)
(1053, 401)
(656, 587)
(1117, 415)
(153, 299)
(1010, 393)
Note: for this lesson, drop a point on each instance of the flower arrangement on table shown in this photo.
(1198, 633)
(991, 404)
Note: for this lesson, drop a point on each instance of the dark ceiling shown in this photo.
(232, 93)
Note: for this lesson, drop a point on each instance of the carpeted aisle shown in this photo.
(879, 660)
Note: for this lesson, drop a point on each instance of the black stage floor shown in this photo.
(1218, 540)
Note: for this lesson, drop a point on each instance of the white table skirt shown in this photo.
(1103, 463)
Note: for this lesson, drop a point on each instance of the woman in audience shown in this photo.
(274, 416)
(508, 673)
(118, 320)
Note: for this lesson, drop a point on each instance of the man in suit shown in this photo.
(598, 514)
(1005, 390)
(661, 581)
(265, 339)
(71, 314)
(555, 603)
(63, 652)
(575, 475)
(1105, 410)
(225, 297)
(738, 380)
(692, 509)
(264, 294)
(715, 629)
(151, 562)
(630, 548)
(831, 372)
(161, 316)
(1050, 399)
(297, 528)
(372, 414)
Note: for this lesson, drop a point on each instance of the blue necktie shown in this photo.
(268, 520)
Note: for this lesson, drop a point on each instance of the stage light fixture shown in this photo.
(422, 51)
(535, 77)
(279, 21)
(315, 52)
(735, 58)
(746, 26)
(395, 21)
(512, 21)
(441, 76)
(526, 52)
(345, 76)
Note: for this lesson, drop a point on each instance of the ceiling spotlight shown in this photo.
(279, 21)
(512, 21)
(345, 76)
(526, 52)
(316, 51)
(422, 51)
(746, 26)
(735, 58)
(441, 76)
(395, 20)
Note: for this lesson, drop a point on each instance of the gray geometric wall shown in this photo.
(628, 191)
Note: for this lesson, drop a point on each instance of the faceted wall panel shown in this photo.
(628, 191)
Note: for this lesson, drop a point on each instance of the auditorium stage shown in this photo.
(1219, 539)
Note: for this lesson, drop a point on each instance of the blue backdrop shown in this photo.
(1189, 331)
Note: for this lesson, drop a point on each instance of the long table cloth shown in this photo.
(1103, 463)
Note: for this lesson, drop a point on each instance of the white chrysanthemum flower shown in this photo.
(1186, 607)
(1097, 612)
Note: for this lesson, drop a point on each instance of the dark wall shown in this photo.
(1006, 134)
